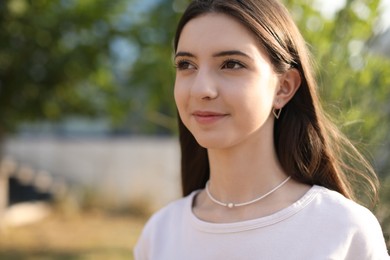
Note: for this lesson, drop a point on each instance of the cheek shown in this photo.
(181, 99)
(180, 96)
(257, 99)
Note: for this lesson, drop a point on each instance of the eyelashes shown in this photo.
(230, 64)
(184, 65)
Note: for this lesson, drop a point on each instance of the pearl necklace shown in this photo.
(232, 205)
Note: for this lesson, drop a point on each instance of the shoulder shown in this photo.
(331, 210)
(165, 221)
(354, 222)
(341, 207)
(170, 213)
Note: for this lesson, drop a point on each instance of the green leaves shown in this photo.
(54, 59)
(354, 82)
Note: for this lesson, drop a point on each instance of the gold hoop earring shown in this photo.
(277, 112)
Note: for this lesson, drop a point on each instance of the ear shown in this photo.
(288, 85)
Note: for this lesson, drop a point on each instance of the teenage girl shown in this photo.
(265, 175)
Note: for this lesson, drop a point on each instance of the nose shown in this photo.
(205, 85)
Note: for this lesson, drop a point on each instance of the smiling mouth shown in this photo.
(207, 117)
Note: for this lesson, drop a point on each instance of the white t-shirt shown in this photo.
(321, 225)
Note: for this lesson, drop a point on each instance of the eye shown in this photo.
(184, 65)
(232, 64)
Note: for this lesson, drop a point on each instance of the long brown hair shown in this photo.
(309, 147)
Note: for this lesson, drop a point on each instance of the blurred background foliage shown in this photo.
(354, 80)
(112, 61)
(55, 60)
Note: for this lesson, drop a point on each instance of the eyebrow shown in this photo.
(184, 54)
(218, 54)
(231, 53)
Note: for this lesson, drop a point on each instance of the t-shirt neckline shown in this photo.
(246, 225)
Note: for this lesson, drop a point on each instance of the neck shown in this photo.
(242, 173)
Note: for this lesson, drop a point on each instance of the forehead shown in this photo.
(215, 32)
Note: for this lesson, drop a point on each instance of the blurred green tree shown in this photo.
(55, 60)
(354, 81)
(152, 74)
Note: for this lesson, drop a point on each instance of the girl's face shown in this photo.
(225, 84)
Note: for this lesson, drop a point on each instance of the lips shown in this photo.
(208, 117)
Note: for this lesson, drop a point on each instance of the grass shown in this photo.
(92, 235)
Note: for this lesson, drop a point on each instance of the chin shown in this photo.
(213, 142)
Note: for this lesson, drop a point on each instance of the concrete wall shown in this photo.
(124, 170)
